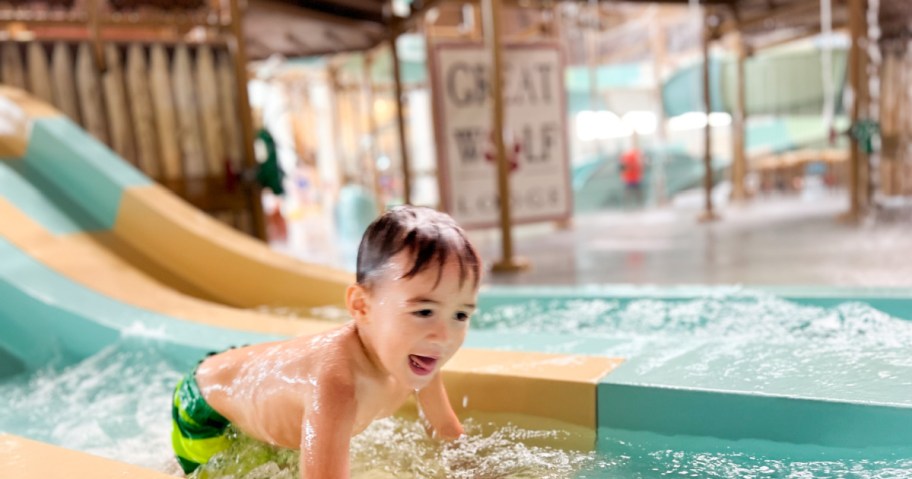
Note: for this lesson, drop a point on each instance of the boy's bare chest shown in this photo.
(377, 401)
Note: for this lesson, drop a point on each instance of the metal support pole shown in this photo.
(372, 153)
(236, 47)
(659, 58)
(492, 13)
(708, 214)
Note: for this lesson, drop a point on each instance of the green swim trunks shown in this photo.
(199, 431)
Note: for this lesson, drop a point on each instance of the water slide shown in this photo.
(93, 202)
(91, 251)
(597, 182)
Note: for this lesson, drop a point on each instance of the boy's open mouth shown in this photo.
(422, 365)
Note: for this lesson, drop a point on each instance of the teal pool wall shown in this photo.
(721, 414)
(672, 400)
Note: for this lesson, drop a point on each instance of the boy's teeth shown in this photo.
(418, 361)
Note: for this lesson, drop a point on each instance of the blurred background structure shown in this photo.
(756, 100)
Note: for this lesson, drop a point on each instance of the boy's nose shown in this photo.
(439, 331)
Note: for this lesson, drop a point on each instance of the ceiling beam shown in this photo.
(336, 10)
(799, 34)
(304, 10)
(685, 2)
(785, 11)
(402, 25)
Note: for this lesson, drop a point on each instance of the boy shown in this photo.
(416, 284)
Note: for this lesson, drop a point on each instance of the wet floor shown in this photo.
(773, 240)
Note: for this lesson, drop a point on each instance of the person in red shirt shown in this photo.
(632, 171)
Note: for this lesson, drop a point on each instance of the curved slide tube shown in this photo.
(111, 202)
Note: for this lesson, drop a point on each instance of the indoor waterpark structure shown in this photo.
(701, 271)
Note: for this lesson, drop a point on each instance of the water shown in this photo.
(626, 454)
(114, 404)
(117, 403)
(9, 365)
(731, 314)
(741, 340)
(399, 448)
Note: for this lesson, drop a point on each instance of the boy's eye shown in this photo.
(424, 313)
(460, 316)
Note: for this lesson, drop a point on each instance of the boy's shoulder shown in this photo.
(335, 360)
(337, 352)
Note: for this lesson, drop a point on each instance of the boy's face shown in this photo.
(415, 325)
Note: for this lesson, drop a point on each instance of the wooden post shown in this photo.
(708, 214)
(492, 13)
(95, 36)
(865, 186)
(739, 119)
(400, 124)
(236, 47)
(857, 31)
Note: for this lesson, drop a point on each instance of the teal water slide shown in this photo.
(784, 102)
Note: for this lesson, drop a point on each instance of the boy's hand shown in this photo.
(437, 410)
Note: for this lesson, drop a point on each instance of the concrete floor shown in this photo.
(770, 241)
(783, 240)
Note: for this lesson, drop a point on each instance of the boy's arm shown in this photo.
(326, 432)
(438, 411)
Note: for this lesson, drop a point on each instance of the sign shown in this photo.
(534, 133)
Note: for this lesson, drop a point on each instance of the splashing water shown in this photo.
(113, 404)
(735, 318)
(116, 404)
(757, 315)
(747, 341)
(400, 448)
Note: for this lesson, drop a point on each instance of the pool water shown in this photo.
(398, 447)
(9, 365)
(744, 340)
(112, 404)
(116, 403)
(636, 454)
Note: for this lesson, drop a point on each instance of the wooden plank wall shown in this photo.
(168, 109)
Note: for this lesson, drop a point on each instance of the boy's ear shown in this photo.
(356, 300)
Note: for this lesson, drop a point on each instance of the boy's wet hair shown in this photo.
(431, 237)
